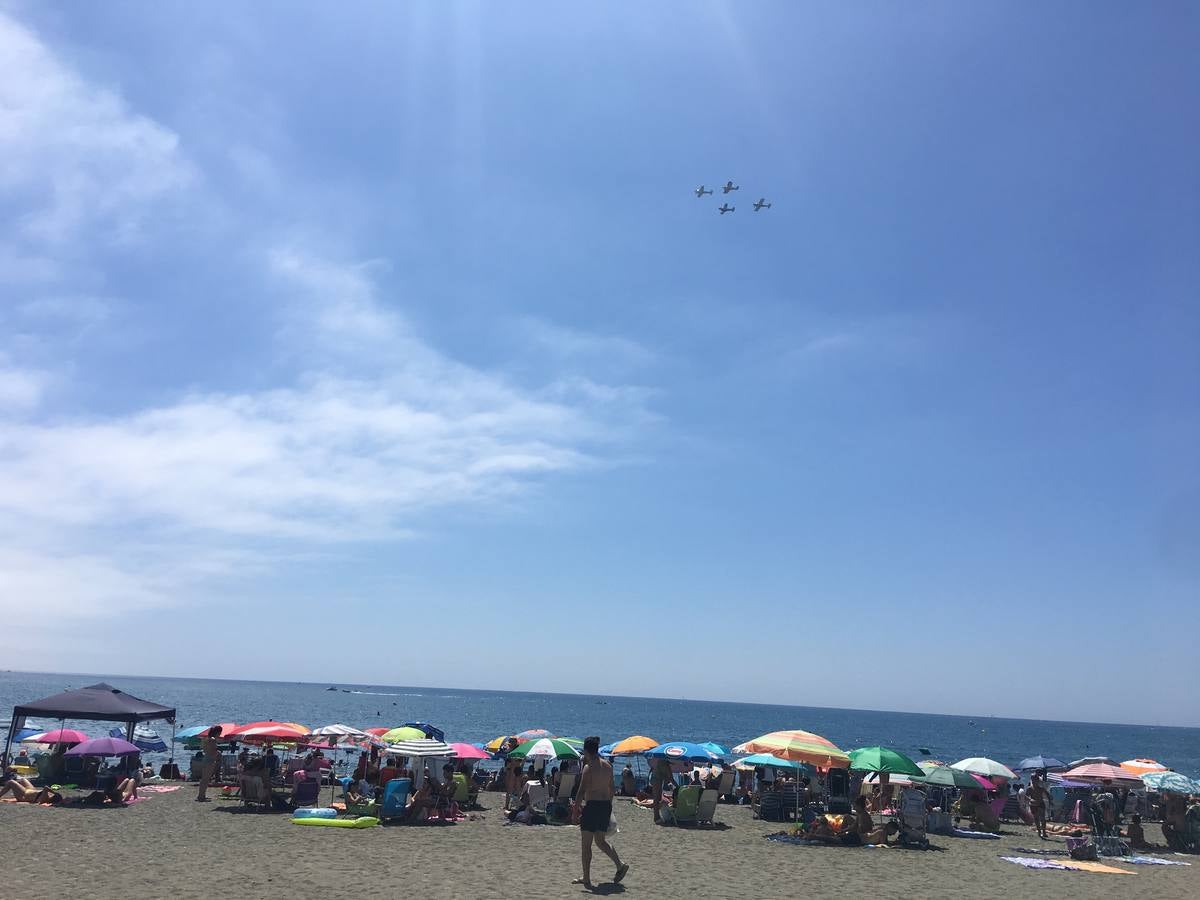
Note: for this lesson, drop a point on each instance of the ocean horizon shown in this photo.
(474, 715)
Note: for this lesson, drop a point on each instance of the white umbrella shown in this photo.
(338, 731)
(981, 765)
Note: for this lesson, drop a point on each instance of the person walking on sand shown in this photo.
(212, 759)
(594, 800)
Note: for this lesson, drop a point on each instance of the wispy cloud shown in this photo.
(368, 430)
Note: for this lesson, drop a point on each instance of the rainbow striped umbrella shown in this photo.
(798, 746)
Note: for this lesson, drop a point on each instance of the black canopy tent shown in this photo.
(97, 703)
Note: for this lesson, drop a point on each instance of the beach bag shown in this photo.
(1081, 848)
(612, 825)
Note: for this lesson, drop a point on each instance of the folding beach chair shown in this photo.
(769, 806)
(307, 792)
(707, 807)
(395, 798)
(725, 786)
(837, 784)
(566, 786)
(255, 793)
(911, 817)
(686, 805)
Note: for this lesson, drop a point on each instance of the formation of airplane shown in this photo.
(727, 188)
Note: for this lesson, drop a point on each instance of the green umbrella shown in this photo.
(944, 776)
(544, 748)
(881, 759)
(403, 733)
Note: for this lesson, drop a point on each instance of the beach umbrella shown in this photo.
(1100, 772)
(802, 746)
(1088, 760)
(57, 736)
(337, 731)
(497, 743)
(147, 739)
(766, 759)
(1142, 766)
(683, 751)
(420, 748)
(633, 745)
(404, 733)
(469, 751)
(716, 748)
(883, 761)
(282, 732)
(1170, 783)
(533, 734)
(543, 748)
(1035, 763)
(947, 776)
(430, 731)
(104, 746)
(378, 732)
(981, 765)
(196, 732)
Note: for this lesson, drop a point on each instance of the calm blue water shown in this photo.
(482, 715)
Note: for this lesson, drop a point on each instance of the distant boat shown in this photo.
(331, 689)
(970, 721)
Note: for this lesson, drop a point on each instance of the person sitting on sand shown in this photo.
(1135, 834)
(24, 791)
(863, 823)
(118, 795)
(628, 783)
(880, 835)
(420, 803)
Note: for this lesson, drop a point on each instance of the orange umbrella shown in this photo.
(1143, 766)
(798, 746)
(636, 743)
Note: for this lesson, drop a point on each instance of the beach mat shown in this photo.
(977, 835)
(1154, 861)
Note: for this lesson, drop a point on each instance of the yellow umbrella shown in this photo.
(636, 743)
(496, 743)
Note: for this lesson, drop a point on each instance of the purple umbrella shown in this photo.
(104, 746)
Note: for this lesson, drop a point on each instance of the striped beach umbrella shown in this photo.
(533, 734)
(1101, 772)
(544, 748)
(280, 732)
(420, 748)
(798, 746)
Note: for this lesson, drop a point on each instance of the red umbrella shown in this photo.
(268, 731)
(1101, 772)
(377, 731)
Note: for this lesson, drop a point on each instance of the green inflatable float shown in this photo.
(360, 822)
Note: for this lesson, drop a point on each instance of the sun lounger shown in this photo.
(707, 807)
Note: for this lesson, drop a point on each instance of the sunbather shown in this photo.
(1136, 835)
(118, 795)
(24, 791)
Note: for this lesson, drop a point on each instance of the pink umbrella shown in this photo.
(104, 746)
(57, 736)
(1100, 772)
(467, 751)
(983, 782)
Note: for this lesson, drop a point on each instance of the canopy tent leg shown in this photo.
(12, 730)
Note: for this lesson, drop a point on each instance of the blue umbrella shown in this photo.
(1033, 763)
(1170, 782)
(606, 750)
(683, 751)
(145, 738)
(715, 748)
(431, 731)
(766, 759)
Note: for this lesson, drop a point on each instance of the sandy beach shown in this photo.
(169, 845)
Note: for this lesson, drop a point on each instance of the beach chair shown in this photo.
(911, 817)
(686, 805)
(707, 808)
(307, 792)
(73, 769)
(566, 786)
(539, 797)
(395, 798)
(837, 784)
(255, 792)
(725, 786)
(769, 806)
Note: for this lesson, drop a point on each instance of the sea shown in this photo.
(480, 715)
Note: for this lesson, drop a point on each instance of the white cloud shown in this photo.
(20, 389)
(610, 351)
(74, 154)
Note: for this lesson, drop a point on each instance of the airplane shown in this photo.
(730, 186)
(762, 201)
(700, 191)
(724, 208)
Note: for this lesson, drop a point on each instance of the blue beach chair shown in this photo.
(395, 797)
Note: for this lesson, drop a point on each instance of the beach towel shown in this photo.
(1154, 861)
(978, 835)
(155, 789)
(1042, 851)
(1066, 864)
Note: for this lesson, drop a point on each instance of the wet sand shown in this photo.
(171, 846)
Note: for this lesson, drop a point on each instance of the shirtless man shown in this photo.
(595, 800)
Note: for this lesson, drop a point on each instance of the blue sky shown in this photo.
(387, 343)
